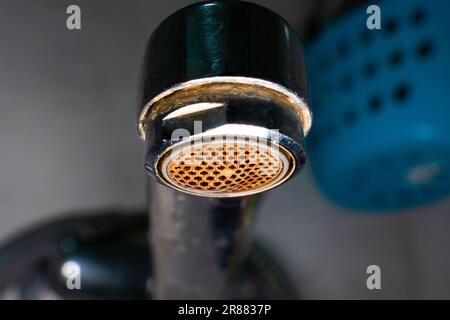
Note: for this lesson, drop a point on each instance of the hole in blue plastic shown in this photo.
(369, 69)
(375, 104)
(418, 17)
(365, 37)
(390, 27)
(424, 49)
(396, 58)
(401, 93)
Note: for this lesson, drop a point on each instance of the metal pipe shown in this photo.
(197, 242)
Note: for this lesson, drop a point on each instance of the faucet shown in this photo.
(223, 112)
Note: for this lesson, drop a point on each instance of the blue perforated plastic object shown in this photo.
(381, 106)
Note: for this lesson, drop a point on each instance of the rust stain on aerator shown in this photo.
(224, 168)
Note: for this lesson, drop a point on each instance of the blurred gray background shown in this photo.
(68, 142)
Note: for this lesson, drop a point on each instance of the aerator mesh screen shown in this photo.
(224, 167)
